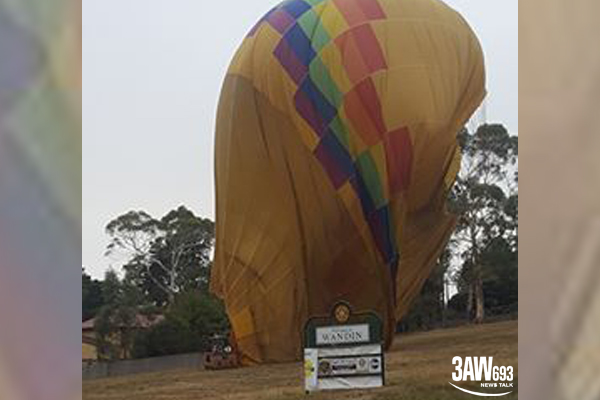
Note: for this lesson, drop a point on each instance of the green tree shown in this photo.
(190, 322)
(91, 296)
(485, 211)
(115, 323)
(163, 257)
(499, 262)
(500, 286)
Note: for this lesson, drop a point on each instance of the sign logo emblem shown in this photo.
(342, 313)
(324, 367)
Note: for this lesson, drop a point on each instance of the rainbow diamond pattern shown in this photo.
(329, 109)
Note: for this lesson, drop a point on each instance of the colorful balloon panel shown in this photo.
(335, 147)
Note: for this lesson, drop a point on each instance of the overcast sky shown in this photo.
(152, 71)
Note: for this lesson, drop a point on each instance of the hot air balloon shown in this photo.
(335, 149)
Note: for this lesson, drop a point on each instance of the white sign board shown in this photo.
(341, 334)
(356, 367)
(343, 350)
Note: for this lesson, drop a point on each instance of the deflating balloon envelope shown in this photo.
(335, 148)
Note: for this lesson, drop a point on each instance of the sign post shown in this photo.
(343, 351)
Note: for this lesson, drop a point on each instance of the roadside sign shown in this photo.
(343, 351)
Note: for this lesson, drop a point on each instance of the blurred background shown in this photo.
(559, 275)
(40, 199)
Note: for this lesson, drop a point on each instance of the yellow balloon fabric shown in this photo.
(335, 149)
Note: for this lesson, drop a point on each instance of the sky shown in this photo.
(152, 73)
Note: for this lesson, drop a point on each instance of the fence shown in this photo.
(105, 369)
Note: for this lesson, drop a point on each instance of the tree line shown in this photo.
(166, 264)
(160, 304)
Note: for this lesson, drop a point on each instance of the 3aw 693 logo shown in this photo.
(482, 370)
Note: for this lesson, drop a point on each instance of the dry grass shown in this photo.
(418, 368)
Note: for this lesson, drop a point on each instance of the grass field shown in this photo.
(419, 367)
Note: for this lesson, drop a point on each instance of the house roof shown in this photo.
(88, 324)
(141, 321)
